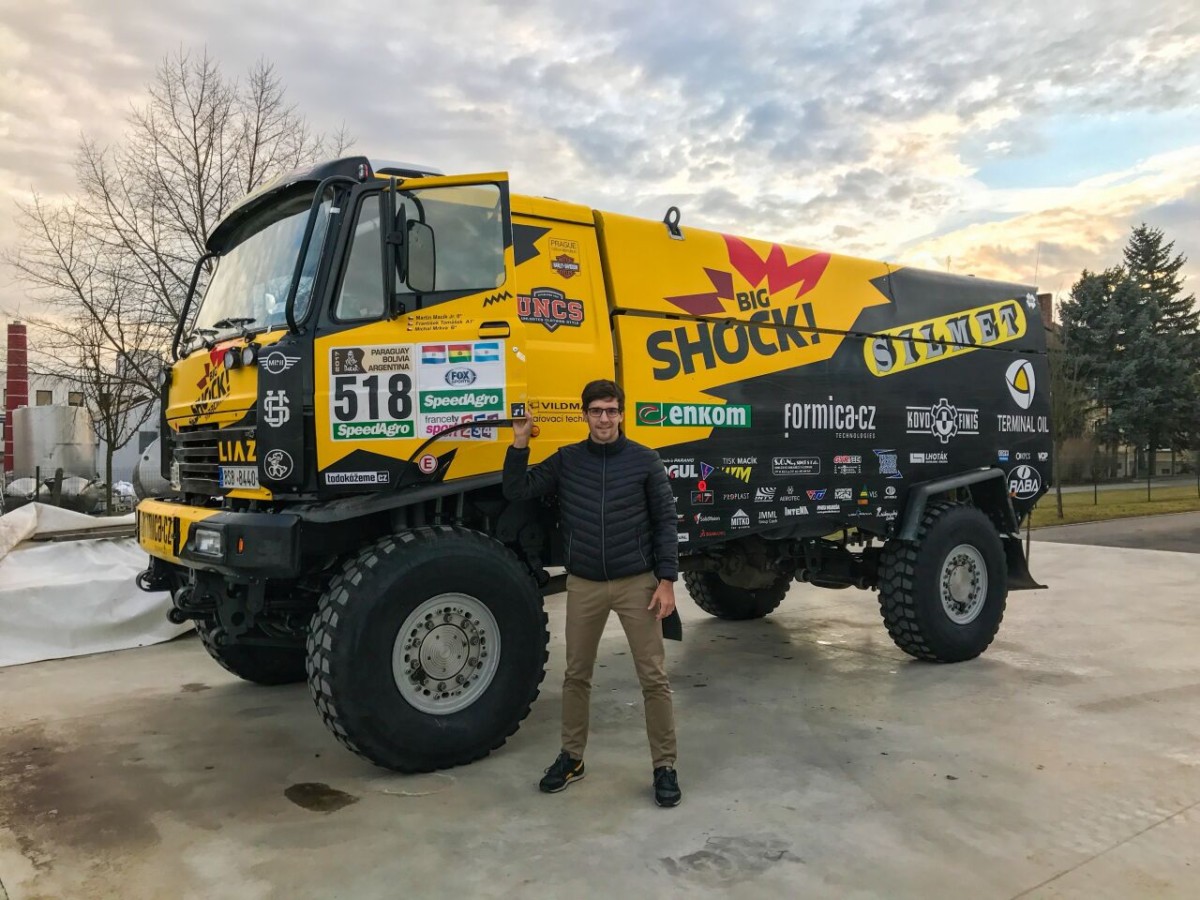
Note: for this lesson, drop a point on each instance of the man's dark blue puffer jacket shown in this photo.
(617, 510)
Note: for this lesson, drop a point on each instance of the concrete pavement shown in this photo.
(816, 759)
(1179, 532)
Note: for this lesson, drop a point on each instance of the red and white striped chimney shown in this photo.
(16, 386)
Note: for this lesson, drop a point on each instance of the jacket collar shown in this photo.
(607, 449)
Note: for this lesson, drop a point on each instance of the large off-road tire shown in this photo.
(427, 649)
(725, 601)
(943, 596)
(262, 665)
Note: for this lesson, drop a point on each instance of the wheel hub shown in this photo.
(446, 653)
(964, 584)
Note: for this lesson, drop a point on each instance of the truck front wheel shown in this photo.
(725, 601)
(943, 596)
(427, 649)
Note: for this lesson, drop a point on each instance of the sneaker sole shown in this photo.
(566, 784)
(667, 805)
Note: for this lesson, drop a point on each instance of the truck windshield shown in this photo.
(250, 285)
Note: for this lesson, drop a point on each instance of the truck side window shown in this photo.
(361, 293)
(468, 233)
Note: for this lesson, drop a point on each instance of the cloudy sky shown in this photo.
(1019, 143)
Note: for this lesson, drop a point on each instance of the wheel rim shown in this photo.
(446, 654)
(964, 584)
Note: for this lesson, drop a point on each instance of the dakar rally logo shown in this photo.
(708, 344)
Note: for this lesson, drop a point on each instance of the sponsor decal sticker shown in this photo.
(927, 458)
(1002, 455)
(764, 494)
(741, 473)
(887, 515)
(736, 496)
(564, 257)
(1021, 383)
(701, 518)
(427, 464)
(355, 431)
(703, 498)
(550, 308)
(700, 415)
(818, 494)
(1043, 455)
(706, 534)
(351, 478)
(796, 465)
(888, 463)
(278, 465)
(843, 493)
(707, 345)
(943, 420)
(1007, 424)
(276, 408)
(767, 517)
(739, 519)
(828, 508)
(277, 362)
(681, 470)
(906, 347)
(479, 400)
(460, 376)
(683, 537)
(1024, 482)
(235, 451)
(789, 511)
(844, 420)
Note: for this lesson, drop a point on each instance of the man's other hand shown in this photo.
(664, 599)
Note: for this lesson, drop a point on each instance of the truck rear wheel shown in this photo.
(943, 597)
(427, 649)
(725, 601)
(261, 665)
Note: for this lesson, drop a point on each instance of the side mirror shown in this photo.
(422, 258)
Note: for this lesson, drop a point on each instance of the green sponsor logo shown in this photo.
(361, 431)
(452, 401)
(701, 415)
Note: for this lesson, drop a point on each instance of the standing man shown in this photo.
(618, 525)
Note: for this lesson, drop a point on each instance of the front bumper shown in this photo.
(252, 543)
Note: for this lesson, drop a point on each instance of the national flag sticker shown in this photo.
(459, 353)
(485, 352)
(433, 354)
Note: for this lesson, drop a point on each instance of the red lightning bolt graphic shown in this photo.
(807, 272)
(775, 269)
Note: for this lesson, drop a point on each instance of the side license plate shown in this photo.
(157, 533)
(239, 476)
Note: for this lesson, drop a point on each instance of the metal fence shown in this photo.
(74, 492)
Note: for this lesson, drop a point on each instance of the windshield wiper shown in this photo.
(205, 334)
(234, 321)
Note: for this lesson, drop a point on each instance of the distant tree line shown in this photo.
(1127, 354)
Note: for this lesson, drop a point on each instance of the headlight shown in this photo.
(209, 542)
(232, 358)
(249, 354)
(176, 481)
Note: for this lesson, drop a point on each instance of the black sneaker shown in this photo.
(561, 773)
(666, 787)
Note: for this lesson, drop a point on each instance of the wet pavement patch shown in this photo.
(194, 687)
(317, 797)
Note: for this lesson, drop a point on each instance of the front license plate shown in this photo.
(239, 476)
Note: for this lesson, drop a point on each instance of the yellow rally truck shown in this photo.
(335, 423)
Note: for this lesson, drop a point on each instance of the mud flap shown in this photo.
(1019, 578)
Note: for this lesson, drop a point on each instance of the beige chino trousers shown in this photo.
(588, 606)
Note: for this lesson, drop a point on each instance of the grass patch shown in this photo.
(1082, 507)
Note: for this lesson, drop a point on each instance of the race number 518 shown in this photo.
(360, 398)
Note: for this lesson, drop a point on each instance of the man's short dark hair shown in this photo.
(600, 390)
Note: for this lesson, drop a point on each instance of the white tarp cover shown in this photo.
(73, 597)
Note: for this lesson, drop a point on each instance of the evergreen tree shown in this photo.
(1137, 337)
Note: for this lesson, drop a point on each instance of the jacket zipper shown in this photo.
(603, 490)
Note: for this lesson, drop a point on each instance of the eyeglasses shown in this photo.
(607, 412)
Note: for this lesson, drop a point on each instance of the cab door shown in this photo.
(418, 364)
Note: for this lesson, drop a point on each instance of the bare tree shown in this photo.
(111, 264)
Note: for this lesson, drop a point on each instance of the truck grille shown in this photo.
(198, 456)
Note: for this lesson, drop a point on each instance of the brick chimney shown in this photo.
(1046, 306)
(16, 384)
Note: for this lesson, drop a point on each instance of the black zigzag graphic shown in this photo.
(497, 298)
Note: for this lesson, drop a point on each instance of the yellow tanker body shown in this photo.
(337, 416)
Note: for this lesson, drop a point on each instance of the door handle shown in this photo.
(495, 330)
